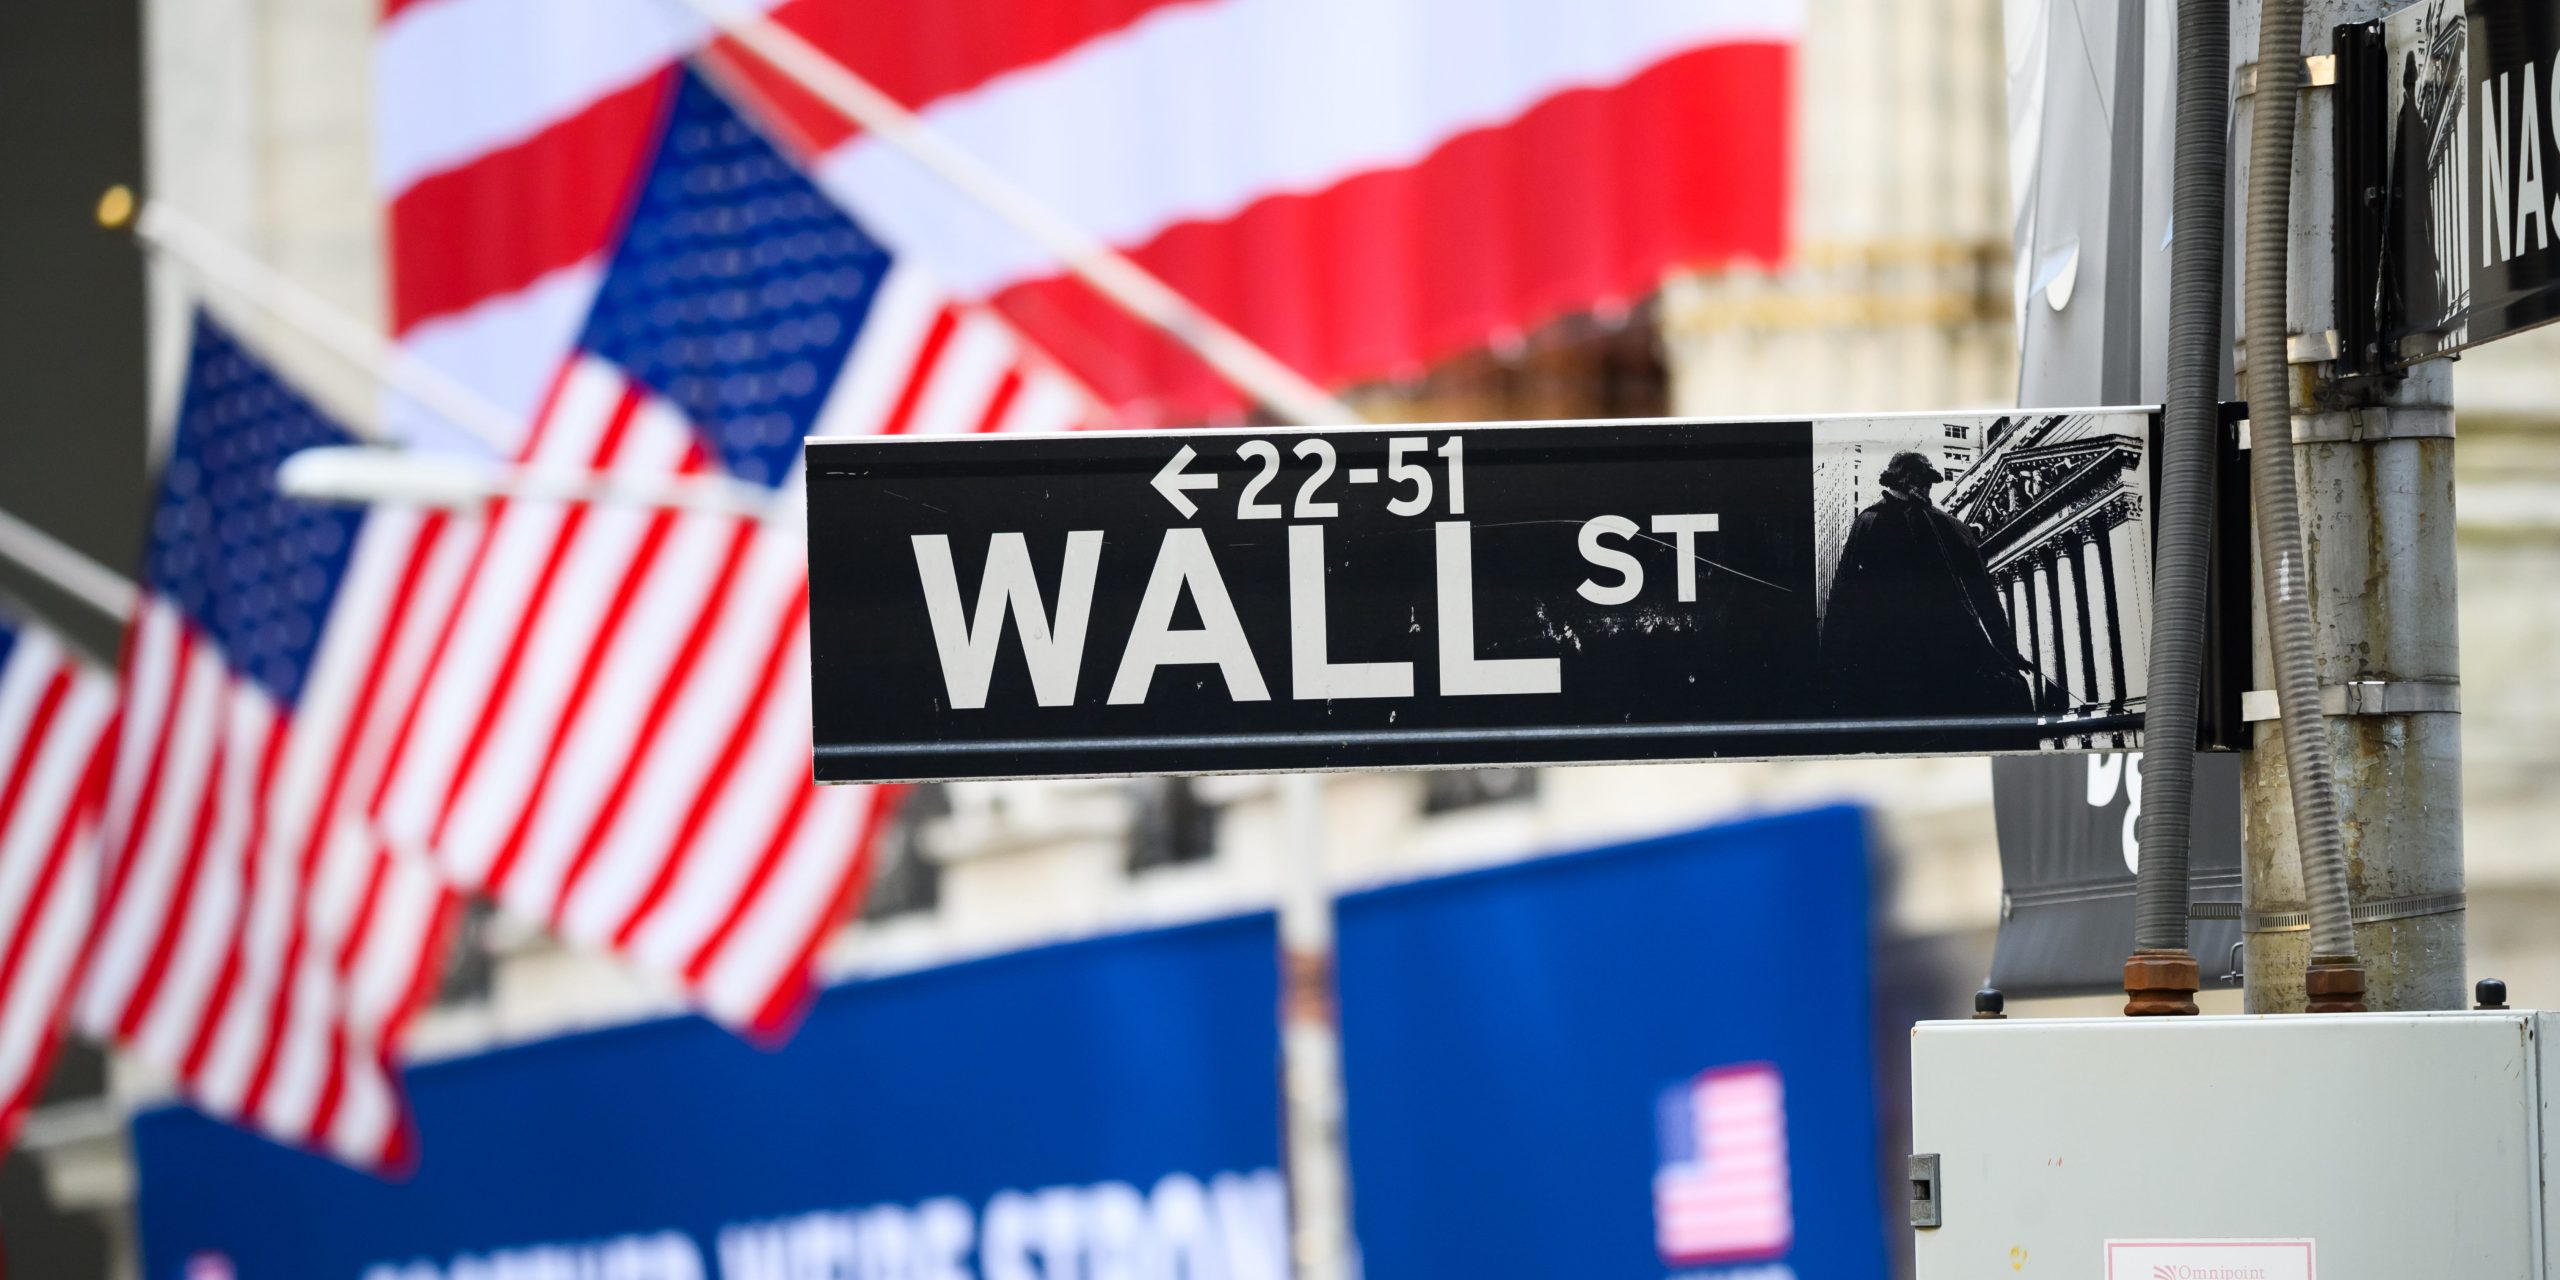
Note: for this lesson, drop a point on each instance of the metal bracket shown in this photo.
(2374, 423)
(2365, 698)
(2299, 348)
(2374, 912)
(2319, 71)
(1925, 1210)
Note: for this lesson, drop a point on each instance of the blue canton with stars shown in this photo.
(252, 569)
(737, 289)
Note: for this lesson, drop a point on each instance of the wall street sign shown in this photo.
(2449, 173)
(1508, 593)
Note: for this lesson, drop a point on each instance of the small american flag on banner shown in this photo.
(1720, 1193)
(57, 716)
(615, 737)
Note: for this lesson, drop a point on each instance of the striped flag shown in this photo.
(1721, 1192)
(615, 737)
(57, 721)
(254, 941)
(1360, 186)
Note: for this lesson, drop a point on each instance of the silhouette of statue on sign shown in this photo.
(2417, 280)
(1914, 624)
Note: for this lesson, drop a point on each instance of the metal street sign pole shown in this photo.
(1320, 1240)
(2374, 457)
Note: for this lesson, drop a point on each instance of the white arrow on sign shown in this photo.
(1171, 482)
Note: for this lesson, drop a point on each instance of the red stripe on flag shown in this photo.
(572, 712)
(155, 967)
(333, 1085)
(1002, 401)
(32, 741)
(119, 876)
(510, 216)
(715, 784)
(31, 916)
(516, 214)
(77, 826)
(531, 611)
(928, 358)
(782, 1010)
(30, 744)
(399, 1155)
(255, 854)
(662, 702)
(497, 511)
(369, 692)
(917, 53)
(752, 890)
(1583, 197)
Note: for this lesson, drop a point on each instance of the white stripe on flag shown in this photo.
(501, 70)
(1279, 97)
(960, 384)
(1048, 403)
(597, 745)
(55, 714)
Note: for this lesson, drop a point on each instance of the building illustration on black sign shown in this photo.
(2427, 218)
(1982, 569)
(2058, 506)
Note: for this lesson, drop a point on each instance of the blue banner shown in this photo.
(1644, 1061)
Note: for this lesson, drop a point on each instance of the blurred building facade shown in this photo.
(1898, 295)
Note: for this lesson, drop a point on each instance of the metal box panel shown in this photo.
(2406, 1145)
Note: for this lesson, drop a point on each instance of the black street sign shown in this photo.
(2449, 195)
(1497, 594)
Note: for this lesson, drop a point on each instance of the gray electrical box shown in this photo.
(2343, 1146)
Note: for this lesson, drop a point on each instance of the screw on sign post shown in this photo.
(1499, 594)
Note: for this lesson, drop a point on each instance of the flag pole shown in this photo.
(1285, 392)
(381, 471)
(55, 561)
(216, 261)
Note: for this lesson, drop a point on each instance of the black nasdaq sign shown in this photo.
(1124, 603)
(2449, 169)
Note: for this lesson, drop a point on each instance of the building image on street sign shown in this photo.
(1510, 593)
(2427, 217)
(2469, 233)
(2053, 509)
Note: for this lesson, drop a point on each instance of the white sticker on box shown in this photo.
(2209, 1260)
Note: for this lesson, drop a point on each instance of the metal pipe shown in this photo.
(1274, 385)
(2186, 500)
(1311, 1042)
(2283, 567)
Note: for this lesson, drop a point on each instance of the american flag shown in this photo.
(1721, 1191)
(615, 737)
(254, 941)
(1361, 187)
(57, 720)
